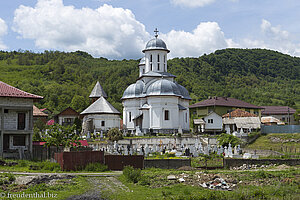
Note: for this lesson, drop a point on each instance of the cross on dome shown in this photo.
(156, 32)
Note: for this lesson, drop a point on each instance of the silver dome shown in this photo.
(185, 94)
(163, 87)
(134, 90)
(143, 61)
(156, 44)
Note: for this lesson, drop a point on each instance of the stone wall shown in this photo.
(167, 163)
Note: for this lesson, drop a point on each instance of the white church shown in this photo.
(156, 103)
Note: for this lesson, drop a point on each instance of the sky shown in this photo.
(120, 29)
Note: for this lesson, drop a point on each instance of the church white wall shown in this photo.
(162, 62)
(131, 107)
(157, 112)
(110, 121)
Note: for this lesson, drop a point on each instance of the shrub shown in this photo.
(131, 174)
(96, 167)
(114, 134)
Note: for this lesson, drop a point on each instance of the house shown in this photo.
(100, 115)
(66, 117)
(16, 121)
(221, 106)
(283, 113)
(39, 115)
(240, 122)
(211, 123)
(156, 102)
(271, 121)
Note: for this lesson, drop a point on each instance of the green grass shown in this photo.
(62, 190)
(288, 148)
(31, 166)
(273, 187)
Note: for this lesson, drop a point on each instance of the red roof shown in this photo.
(224, 101)
(269, 110)
(239, 113)
(84, 143)
(10, 91)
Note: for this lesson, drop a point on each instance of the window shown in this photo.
(151, 66)
(5, 110)
(21, 121)
(157, 66)
(151, 62)
(164, 58)
(167, 115)
(151, 58)
(129, 116)
(158, 58)
(210, 121)
(102, 123)
(19, 140)
(283, 118)
(186, 118)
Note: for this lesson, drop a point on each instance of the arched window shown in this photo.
(151, 62)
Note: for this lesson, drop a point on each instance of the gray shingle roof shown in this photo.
(98, 91)
(101, 106)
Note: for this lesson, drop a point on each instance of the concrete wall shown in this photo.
(167, 163)
(239, 162)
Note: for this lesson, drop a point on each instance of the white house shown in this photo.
(209, 123)
(156, 102)
(100, 115)
(16, 121)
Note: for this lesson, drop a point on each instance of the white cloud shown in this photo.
(192, 3)
(273, 37)
(107, 31)
(195, 3)
(206, 38)
(3, 31)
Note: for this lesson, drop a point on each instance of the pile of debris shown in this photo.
(209, 181)
(247, 167)
(218, 184)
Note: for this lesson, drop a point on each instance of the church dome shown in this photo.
(156, 44)
(134, 90)
(185, 94)
(163, 87)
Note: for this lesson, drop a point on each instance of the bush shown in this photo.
(96, 167)
(11, 177)
(114, 134)
(131, 174)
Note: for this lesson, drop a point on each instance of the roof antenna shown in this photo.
(156, 32)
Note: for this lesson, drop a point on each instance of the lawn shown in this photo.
(289, 144)
(251, 185)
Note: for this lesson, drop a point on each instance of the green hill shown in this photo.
(258, 76)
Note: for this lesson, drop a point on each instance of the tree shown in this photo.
(114, 134)
(64, 136)
(38, 129)
(224, 140)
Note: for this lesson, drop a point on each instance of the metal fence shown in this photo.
(280, 129)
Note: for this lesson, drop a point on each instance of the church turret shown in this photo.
(97, 92)
(142, 66)
(156, 55)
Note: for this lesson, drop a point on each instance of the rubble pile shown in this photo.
(218, 184)
(209, 181)
(48, 179)
(247, 167)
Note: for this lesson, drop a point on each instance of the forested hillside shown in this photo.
(258, 76)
